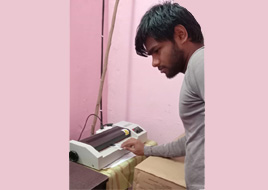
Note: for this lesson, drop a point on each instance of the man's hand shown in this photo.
(134, 145)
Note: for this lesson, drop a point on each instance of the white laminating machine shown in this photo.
(99, 150)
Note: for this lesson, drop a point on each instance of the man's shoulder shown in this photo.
(194, 76)
(196, 62)
(197, 57)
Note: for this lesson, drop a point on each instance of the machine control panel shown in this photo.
(137, 130)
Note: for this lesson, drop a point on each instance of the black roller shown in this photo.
(107, 138)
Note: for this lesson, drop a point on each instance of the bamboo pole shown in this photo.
(105, 67)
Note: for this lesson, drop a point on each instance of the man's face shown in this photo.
(166, 56)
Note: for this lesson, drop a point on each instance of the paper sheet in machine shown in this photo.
(98, 150)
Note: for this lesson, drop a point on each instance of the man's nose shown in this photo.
(155, 62)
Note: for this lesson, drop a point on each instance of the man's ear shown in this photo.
(180, 34)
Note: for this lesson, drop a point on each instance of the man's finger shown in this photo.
(128, 143)
(131, 149)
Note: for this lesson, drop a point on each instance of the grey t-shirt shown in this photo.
(192, 113)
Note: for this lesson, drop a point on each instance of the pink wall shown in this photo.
(85, 53)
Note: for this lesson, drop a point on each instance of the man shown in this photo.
(172, 36)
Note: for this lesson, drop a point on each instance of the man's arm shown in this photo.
(172, 149)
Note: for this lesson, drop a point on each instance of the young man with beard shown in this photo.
(171, 35)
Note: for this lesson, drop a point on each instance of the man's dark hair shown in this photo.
(159, 23)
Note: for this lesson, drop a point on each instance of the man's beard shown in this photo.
(177, 59)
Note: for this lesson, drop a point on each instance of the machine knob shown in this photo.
(73, 156)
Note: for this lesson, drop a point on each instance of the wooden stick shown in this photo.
(104, 68)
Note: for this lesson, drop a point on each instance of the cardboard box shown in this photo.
(159, 173)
